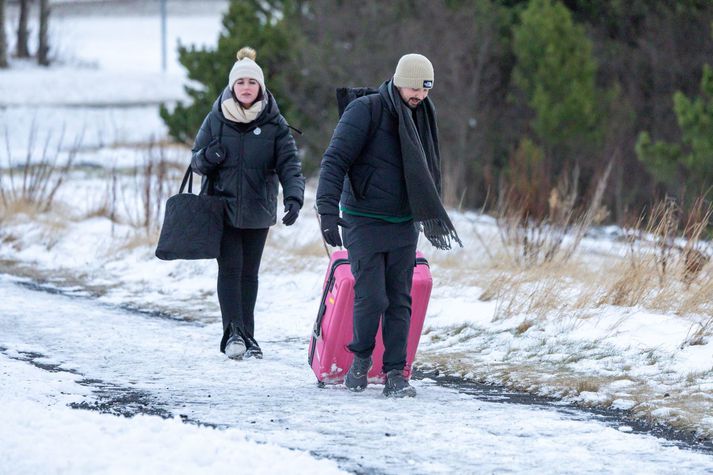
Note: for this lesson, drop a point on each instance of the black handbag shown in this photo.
(192, 225)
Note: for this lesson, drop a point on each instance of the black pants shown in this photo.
(382, 288)
(238, 266)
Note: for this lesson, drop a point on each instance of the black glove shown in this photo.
(292, 208)
(215, 152)
(330, 229)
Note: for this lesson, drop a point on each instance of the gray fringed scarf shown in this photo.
(421, 162)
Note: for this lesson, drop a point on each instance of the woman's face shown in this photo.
(246, 91)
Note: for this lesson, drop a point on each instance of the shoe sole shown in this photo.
(400, 394)
(355, 388)
(408, 391)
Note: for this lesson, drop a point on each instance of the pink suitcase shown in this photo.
(332, 332)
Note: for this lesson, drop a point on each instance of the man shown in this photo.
(385, 177)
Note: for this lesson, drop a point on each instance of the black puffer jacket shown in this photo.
(364, 173)
(258, 155)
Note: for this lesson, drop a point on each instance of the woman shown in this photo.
(242, 149)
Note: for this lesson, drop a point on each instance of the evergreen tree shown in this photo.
(685, 167)
(556, 72)
(260, 24)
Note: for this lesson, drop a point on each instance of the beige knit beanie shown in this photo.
(246, 67)
(414, 71)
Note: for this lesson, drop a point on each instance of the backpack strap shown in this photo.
(376, 111)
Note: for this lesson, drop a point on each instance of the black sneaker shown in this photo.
(235, 346)
(253, 349)
(397, 386)
(356, 377)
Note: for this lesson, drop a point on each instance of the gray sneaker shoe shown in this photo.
(235, 346)
(397, 386)
(356, 377)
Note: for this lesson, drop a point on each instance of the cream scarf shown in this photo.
(232, 110)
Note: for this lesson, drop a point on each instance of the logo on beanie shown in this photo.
(427, 84)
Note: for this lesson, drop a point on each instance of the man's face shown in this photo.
(412, 97)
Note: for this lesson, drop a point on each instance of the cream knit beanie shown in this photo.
(246, 67)
(414, 71)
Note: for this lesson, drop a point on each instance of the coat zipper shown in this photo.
(240, 177)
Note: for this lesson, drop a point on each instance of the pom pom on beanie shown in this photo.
(246, 52)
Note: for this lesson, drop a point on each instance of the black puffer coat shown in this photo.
(364, 173)
(258, 155)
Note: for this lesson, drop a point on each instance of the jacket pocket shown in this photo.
(271, 187)
(359, 180)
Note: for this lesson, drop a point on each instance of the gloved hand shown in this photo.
(215, 152)
(292, 208)
(330, 230)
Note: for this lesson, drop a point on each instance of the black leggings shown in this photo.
(238, 266)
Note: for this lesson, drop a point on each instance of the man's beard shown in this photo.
(413, 102)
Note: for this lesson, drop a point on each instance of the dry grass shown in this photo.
(553, 290)
(534, 232)
(139, 239)
(698, 297)
(19, 206)
(149, 183)
(632, 283)
(136, 196)
(31, 186)
(668, 265)
(53, 227)
(102, 210)
(699, 333)
(524, 326)
(667, 268)
(587, 385)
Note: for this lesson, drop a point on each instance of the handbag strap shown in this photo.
(188, 177)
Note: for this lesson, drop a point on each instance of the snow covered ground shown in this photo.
(173, 367)
(629, 358)
(42, 435)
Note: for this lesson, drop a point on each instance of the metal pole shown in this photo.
(163, 35)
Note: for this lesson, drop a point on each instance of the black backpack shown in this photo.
(345, 95)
